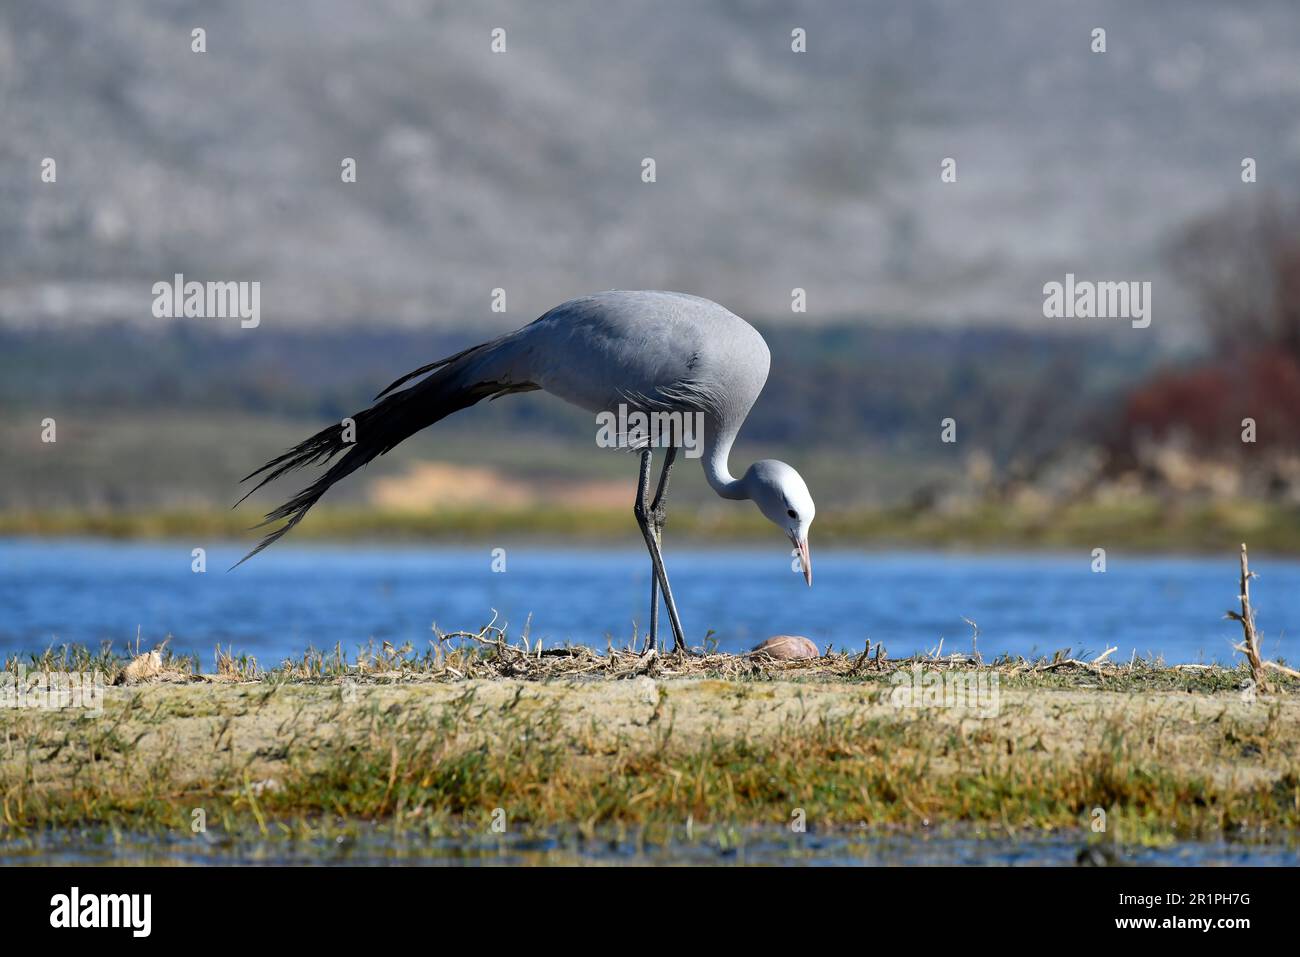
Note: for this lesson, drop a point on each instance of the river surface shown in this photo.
(750, 846)
(295, 596)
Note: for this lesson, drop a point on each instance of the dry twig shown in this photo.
(1250, 643)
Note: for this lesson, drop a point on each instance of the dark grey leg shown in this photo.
(658, 516)
(652, 642)
(642, 511)
(639, 509)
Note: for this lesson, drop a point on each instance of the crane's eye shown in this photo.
(791, 512)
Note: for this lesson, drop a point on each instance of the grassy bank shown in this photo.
(1140, 524)
(580, 743)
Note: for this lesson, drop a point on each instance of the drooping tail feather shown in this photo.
(391, 420)
(416, 373)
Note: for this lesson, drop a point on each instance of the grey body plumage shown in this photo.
(647, 351)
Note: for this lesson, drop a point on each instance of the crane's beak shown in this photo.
(805, 560)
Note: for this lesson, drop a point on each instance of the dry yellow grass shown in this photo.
(579, 751)
(441, 486)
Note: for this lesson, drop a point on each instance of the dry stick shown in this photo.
(1282, 668)
(862, 660)
(643, 664)
(1064, 662)
(1250, 645)
(497, 642)
(974, 642)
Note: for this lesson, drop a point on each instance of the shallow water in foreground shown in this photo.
(292, 597)
(757, 846)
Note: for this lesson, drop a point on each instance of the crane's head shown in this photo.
(780, 494)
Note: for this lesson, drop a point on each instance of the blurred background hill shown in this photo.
(521, 171)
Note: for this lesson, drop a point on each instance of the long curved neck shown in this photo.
(717, 448)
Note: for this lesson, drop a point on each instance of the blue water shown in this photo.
(295, 596)
(762, 845)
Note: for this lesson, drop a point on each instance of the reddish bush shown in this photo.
(1206, 404)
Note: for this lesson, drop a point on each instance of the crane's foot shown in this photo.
(681, 650)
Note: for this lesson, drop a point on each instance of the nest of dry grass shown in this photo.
(489, 655)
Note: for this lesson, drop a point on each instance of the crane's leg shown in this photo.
(642, 511)
(658, 516)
